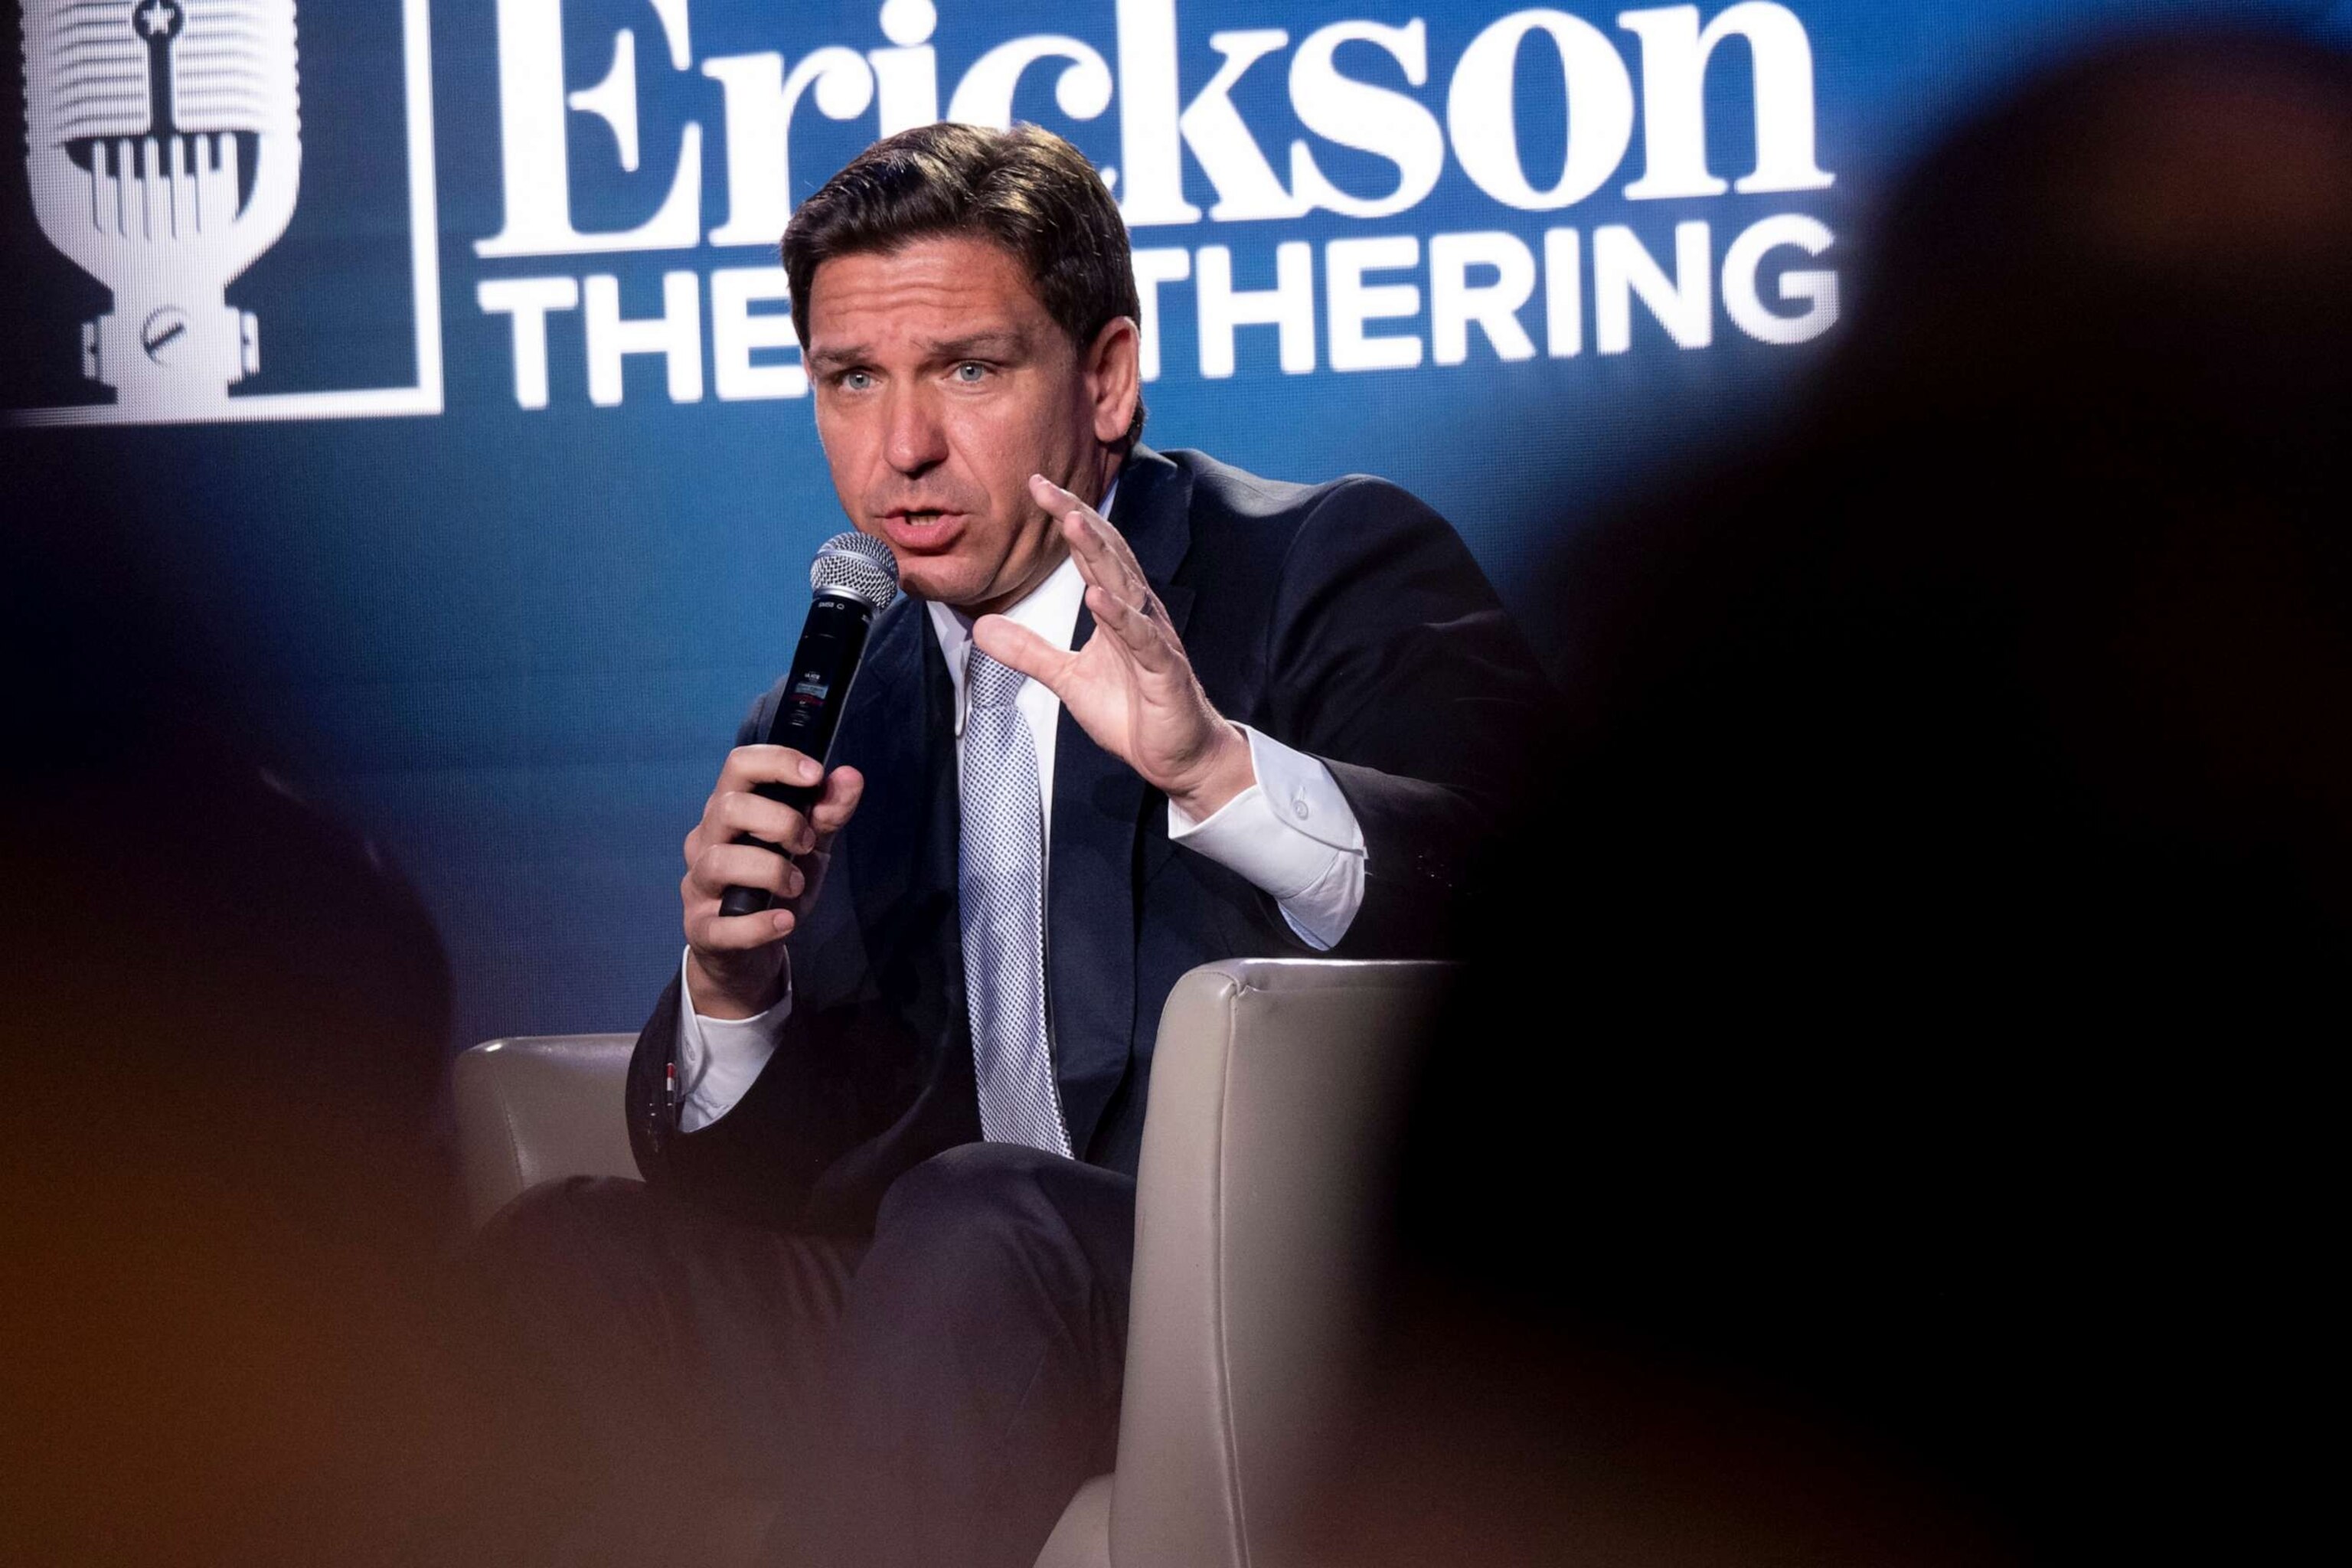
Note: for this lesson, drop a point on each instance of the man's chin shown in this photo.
(941, 579)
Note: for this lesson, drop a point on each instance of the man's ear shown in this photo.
(1114, 373)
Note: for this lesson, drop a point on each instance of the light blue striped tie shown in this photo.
(1002, 888)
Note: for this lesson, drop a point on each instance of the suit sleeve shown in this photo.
(1393, 660)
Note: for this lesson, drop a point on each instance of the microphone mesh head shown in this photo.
(857, 567)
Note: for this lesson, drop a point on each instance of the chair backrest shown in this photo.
(1275, 1085)
(538, 1107)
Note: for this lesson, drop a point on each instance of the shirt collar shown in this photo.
(1050, 610)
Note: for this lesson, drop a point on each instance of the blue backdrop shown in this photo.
(444, 373)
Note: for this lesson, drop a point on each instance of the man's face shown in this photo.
(942, 385)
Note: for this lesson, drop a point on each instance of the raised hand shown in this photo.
(1132, 687)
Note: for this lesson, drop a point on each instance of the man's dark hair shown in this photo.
(1024, 189)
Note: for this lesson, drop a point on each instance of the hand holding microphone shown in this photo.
(742, 843)
(774, 798)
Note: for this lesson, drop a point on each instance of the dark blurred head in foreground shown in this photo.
(224, 1023)
(1884, 1122)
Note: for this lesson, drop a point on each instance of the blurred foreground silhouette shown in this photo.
(1886, 1124)
(230, 1337)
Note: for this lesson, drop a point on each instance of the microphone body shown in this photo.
(855, 579)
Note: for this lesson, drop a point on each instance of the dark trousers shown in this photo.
(931, 1396)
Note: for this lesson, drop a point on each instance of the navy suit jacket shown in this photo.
(1347, 620)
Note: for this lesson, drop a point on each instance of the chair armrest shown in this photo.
(538, 1107)
(1275, 1085)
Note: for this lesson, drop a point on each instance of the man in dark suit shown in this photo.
(1138, 712)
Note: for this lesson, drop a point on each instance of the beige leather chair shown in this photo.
(538, 1107)
(1274, 1086)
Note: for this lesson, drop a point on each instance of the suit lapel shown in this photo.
(905, 748)
(1098, 807)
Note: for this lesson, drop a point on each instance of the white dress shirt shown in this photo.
(1290, 833)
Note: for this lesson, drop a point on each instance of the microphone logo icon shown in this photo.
(163, 146)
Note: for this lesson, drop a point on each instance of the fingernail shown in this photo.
(784, 920)
(809, 771)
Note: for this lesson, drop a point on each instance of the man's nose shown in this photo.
(915, 440)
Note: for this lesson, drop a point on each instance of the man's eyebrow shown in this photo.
(843, 353)
(977, 345)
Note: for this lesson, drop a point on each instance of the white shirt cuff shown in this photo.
(719, 1059)
(1291, 835)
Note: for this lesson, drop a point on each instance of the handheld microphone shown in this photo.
(853, 579)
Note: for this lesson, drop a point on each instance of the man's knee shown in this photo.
(986, 1206)
(561, 1217)
(564, 1242)
(973, 1184)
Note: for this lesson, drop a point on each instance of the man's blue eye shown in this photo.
(855, 380)
(969, 372)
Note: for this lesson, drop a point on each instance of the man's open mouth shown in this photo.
(921, 528)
